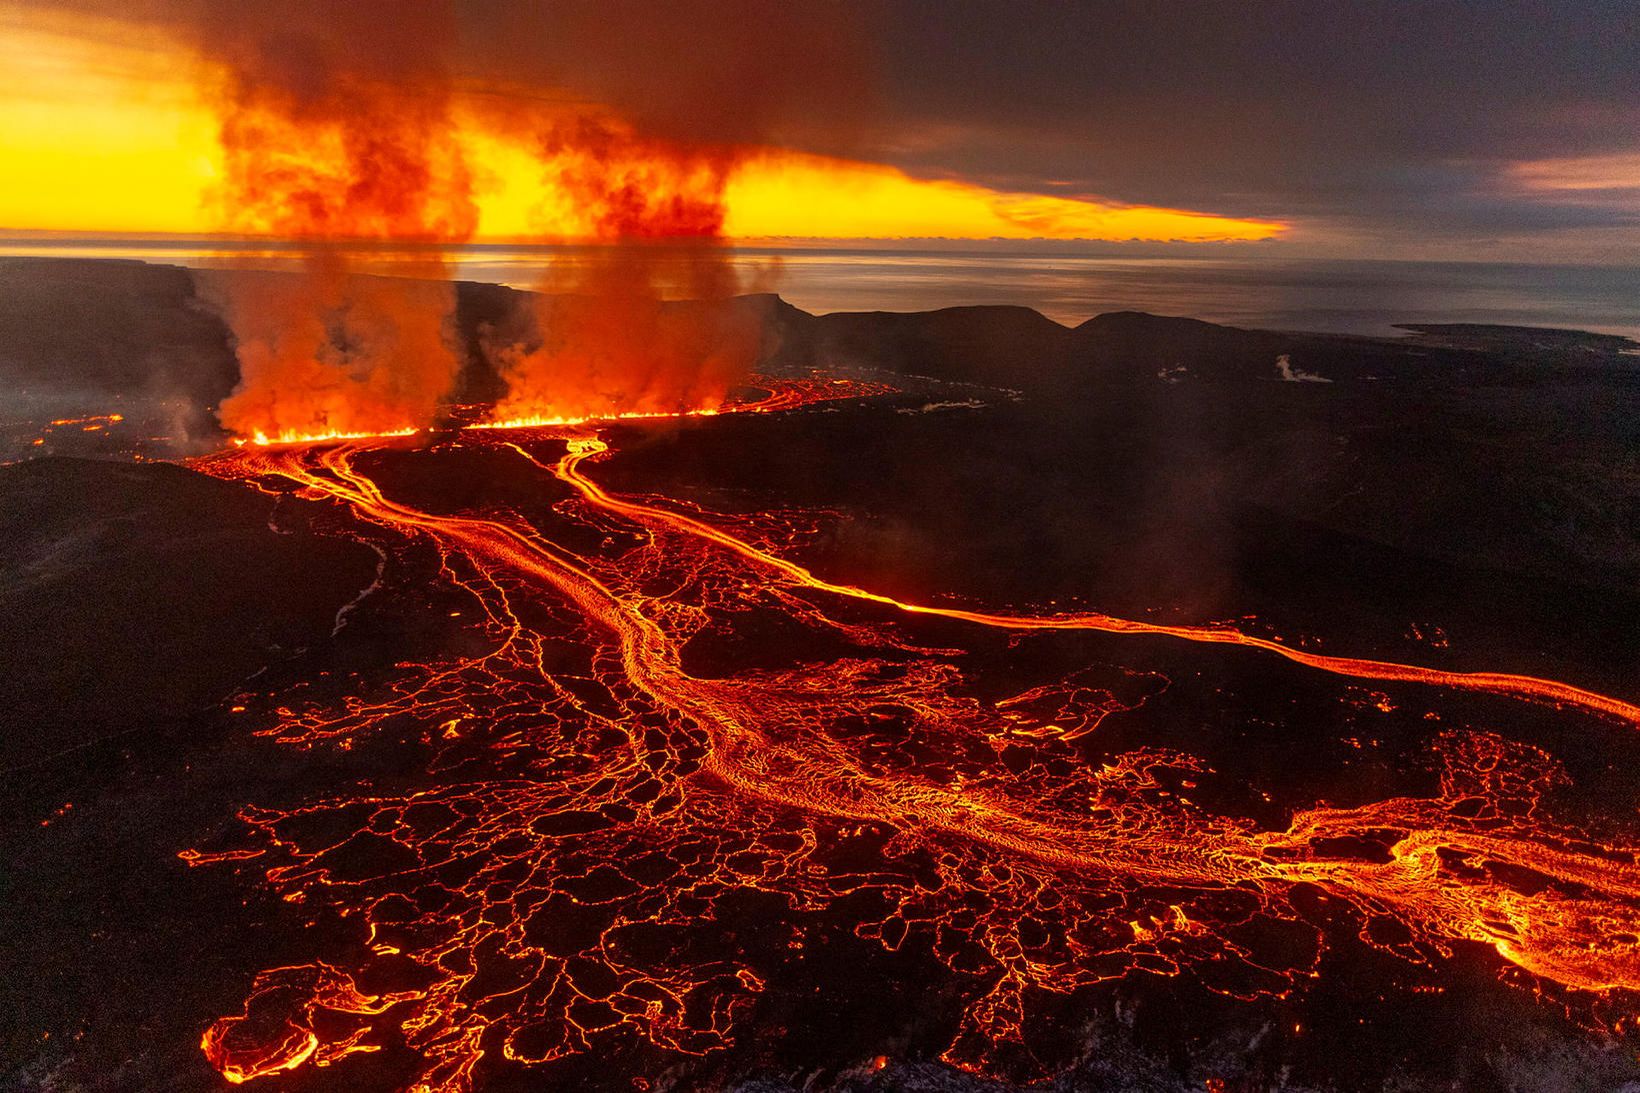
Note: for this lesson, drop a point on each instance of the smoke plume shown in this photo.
(342, 125)
(601, 338)
(336, 127)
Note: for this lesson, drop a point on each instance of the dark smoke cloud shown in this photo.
(724, 72)
(1366, 114)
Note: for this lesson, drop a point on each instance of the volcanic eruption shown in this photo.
(343, 131)
(568, 889)
(622, 763)
(336, 129)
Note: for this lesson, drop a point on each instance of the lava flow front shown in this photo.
(606, 816)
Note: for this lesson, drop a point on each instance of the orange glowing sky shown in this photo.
(103, 130)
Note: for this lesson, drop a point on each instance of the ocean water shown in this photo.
(1354, 297)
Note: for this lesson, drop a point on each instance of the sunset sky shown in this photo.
(1498, 130)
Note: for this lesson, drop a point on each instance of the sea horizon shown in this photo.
(1248, 288)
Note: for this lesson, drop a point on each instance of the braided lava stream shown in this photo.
(599, 817)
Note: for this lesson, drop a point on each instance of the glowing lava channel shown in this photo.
(1515, 686)
(612, 806)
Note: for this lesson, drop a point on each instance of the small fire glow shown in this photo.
(77, 426)
(90, 424)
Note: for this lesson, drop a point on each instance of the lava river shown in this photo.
(596, 810)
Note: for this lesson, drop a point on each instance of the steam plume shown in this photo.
(681, 91)
(342, 124)
(335, 126)
(601, 337)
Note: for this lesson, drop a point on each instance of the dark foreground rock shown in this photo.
(138, 594)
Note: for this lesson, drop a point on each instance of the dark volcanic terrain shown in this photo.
(1466, 498)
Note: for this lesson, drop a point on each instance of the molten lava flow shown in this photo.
(262, 440)
(1544, 690)
(266, 1040)
(783, 394)
(597, 811)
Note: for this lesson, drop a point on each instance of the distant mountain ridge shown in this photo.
(85, 335)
